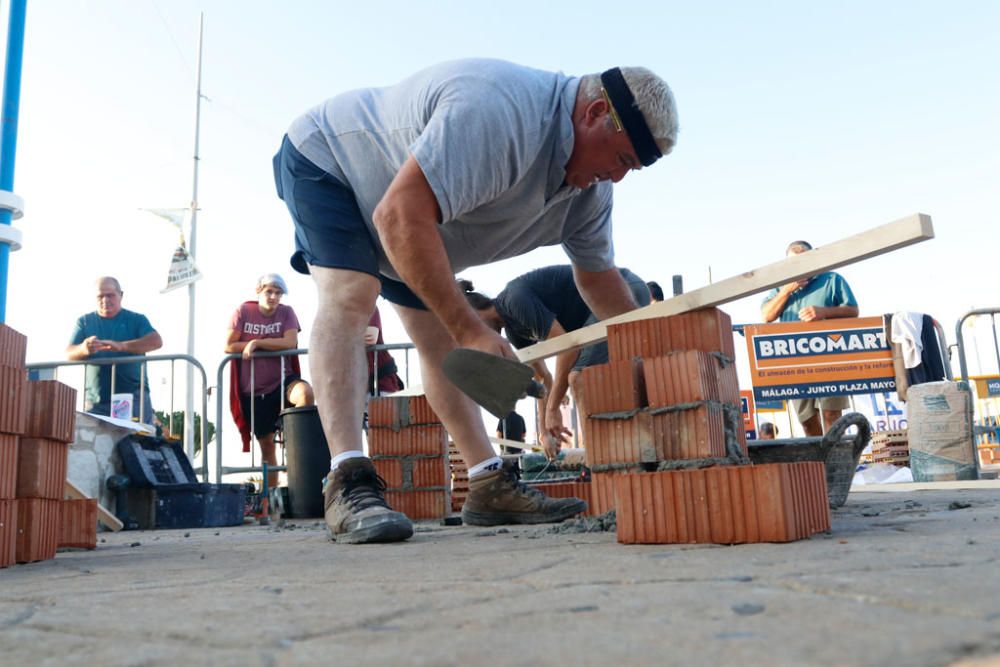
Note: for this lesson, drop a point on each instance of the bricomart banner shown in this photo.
(814, 359)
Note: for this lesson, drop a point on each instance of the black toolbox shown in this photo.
(179, 499)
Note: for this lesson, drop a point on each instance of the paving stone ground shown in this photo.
(904, 578)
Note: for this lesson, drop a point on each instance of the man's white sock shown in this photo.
(343, 456)
(483, 467)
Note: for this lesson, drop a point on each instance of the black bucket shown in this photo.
(307, 459)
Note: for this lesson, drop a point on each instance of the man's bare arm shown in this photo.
(605, 292)
(772, 309)
(407, 223)
(82, 350)
(147, 343)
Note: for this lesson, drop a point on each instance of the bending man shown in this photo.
(395, 189)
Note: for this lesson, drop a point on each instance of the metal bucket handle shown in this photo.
(839, 429)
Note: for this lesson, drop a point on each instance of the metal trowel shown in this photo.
(493, 382)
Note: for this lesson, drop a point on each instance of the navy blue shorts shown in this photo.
(329, 228)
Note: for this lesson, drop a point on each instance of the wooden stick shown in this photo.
(880, 240)
(105, 517)
(514, 444)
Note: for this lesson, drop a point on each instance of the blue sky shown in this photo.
(798, 120)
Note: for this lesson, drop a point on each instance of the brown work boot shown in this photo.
(356, 510)
(501, 497)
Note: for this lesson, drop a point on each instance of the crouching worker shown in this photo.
(543, 304)
(261, 387)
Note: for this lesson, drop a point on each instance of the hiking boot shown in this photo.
(356, 510)
(501, 497)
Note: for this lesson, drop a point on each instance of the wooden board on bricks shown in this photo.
(877, 241)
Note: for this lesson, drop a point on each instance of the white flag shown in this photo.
(174, 216)
(182, 270)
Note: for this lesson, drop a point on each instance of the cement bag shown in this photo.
(940, 431)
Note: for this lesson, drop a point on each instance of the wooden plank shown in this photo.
(105, 517)
(877, 241)
(513, 444)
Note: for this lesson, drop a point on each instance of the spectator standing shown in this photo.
(113, 331)
(821, 297)
(261, 387)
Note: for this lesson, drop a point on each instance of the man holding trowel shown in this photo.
(393, 190)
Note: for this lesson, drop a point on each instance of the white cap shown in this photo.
(272, 279)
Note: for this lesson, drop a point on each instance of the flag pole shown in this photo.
(193, 237)
(10, 204)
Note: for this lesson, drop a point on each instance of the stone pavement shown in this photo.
(905, 578)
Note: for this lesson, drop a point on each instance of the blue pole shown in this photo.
(8, 129)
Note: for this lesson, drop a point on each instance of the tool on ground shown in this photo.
(493, 382)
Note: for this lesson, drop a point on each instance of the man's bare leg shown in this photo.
(267, 455)
(354, 502)
(494, 497)
(830, 416)
(459, 414)
(300, 394)
(337, 353)
(812, 426)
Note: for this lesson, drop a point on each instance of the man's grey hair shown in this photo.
(112, 280)
(798, 244)
(655, 99)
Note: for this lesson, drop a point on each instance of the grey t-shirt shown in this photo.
(492, 139)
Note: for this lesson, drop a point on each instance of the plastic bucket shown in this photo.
(307, 459)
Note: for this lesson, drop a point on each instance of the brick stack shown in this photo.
(13, 379)
(41, 469)
(408, 445)
(891, 447)
(669, 398)
(459, 478)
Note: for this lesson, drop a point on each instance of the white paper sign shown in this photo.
(121, 406)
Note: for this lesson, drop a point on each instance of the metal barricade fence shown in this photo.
(986, 424)
(143, 361)
(221, 417)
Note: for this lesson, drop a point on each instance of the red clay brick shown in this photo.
(694, 433)
(602, 491)
(777, 502)
(400, 411)
(430, 439)
(419, 504)
(78, 523)
(650, 437)
(620, 440)
(8, 532)
(680, 377)
(51, 410)
(9, 445)
(12, 395)
(707, 330)
(41, 468)
(390, 470)
(412, 473)
(574, 489)
(614, 387)
(37, 529)
(13, 347)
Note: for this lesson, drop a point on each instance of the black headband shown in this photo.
(631, 117)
